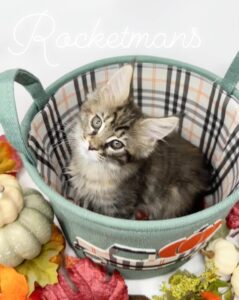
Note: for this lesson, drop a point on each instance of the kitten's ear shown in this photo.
(158, 128)
(117, 88)
(149, 130)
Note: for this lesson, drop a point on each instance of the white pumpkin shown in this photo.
(11, 199)
(235, 281)
(24, 238)
(224, 256)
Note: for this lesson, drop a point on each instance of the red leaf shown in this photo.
(235, 209)
(36, 295)
(86, 281)
(233, 217)
(232, 221)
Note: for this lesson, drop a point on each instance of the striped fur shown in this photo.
(163, 176)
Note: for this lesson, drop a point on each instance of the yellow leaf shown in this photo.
(41, 269)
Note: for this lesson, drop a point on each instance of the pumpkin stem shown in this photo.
(209, 254)
(1, 190)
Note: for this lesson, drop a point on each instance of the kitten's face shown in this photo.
(111, 128)
(104, 132)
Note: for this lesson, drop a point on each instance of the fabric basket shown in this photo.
(161, 87)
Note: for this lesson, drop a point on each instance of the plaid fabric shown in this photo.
(210, 121)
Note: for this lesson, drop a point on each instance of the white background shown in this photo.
(216, 23)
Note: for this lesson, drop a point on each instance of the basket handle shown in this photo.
(231, 78)
(8, 112)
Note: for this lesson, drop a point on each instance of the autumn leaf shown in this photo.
(12, 284)
(36, 294)
(233, 217)
(43, 268)
(70, 261)
(85, 280)
(57, 236)
(207, 295)
(10, 162)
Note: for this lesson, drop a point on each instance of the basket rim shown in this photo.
(123, 224)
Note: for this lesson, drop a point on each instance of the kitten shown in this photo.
(124, 161)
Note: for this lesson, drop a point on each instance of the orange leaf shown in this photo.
(10, 161)
(70, 261)
(210, 296)
(57, 237)
(6, 165)
(12, 284)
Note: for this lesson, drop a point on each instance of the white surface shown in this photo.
(204, 33)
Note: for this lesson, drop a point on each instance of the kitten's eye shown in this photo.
(96, 122)
(116, 145)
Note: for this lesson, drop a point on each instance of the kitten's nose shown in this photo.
(92, 147)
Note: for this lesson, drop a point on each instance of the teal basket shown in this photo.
(161, 87)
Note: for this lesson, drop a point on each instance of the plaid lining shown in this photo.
(210, 121)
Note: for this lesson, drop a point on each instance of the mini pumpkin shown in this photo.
(24, 238)
(224, 255)
(11, 199)
(235, 281)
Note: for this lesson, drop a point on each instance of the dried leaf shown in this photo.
(85, 280)
(10, 162)
(43, 268)
(12, 284)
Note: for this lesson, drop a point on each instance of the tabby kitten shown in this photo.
(124, 161)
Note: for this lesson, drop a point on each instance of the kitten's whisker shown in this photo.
(66, 140)
(164, 141)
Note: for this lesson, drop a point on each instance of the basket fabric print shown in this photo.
(209, 108)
